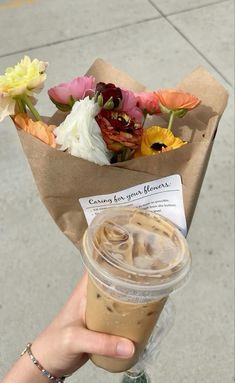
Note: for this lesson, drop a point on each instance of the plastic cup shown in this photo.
(135, 259)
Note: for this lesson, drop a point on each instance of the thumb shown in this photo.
(92, 342)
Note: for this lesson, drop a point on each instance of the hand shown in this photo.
(64, 345)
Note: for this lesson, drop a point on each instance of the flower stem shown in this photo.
(26, 100)
(144, 119)
(20, 105)
(171, 119)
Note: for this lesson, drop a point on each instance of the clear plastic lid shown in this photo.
(135, 248)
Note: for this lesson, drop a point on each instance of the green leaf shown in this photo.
(62, 107)
(109, 104)
(164, 109)
(180, 113)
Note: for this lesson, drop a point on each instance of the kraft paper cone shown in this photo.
(62, 179)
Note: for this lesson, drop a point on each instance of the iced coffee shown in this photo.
(135, 259)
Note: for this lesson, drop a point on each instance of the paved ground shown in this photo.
(157, 42)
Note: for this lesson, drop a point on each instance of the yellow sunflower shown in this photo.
(157, 140)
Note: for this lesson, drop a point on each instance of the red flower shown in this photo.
(110, 94)
(119, 131)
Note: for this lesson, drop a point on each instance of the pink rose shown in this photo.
(129, 105)
(148, 102)
(64, 95)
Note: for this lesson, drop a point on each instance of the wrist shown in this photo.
(31, 371)
(24, 371)
(41, 369)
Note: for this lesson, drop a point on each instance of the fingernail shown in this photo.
(125, 348)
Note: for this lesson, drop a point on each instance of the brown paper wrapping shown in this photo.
(62, 179)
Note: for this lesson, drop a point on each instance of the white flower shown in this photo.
(7, 106)
(81, 135)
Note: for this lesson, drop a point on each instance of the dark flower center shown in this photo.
(158, 146)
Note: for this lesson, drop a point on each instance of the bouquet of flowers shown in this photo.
(110, 133)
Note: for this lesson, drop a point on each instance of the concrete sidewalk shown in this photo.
(157, 42)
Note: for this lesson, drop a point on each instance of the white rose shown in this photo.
(81, 135)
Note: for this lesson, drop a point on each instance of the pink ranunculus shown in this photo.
(148, 102)
(77, 89)
(129, 105)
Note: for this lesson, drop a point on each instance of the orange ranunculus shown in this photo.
(158, 140)
(36, 128)
(174, 99)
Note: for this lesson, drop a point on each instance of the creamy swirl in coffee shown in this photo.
(141, 240)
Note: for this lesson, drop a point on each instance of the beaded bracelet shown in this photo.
(39, 366)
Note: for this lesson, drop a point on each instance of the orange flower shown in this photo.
(158, 140)
(36, 128)
(174, 99)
